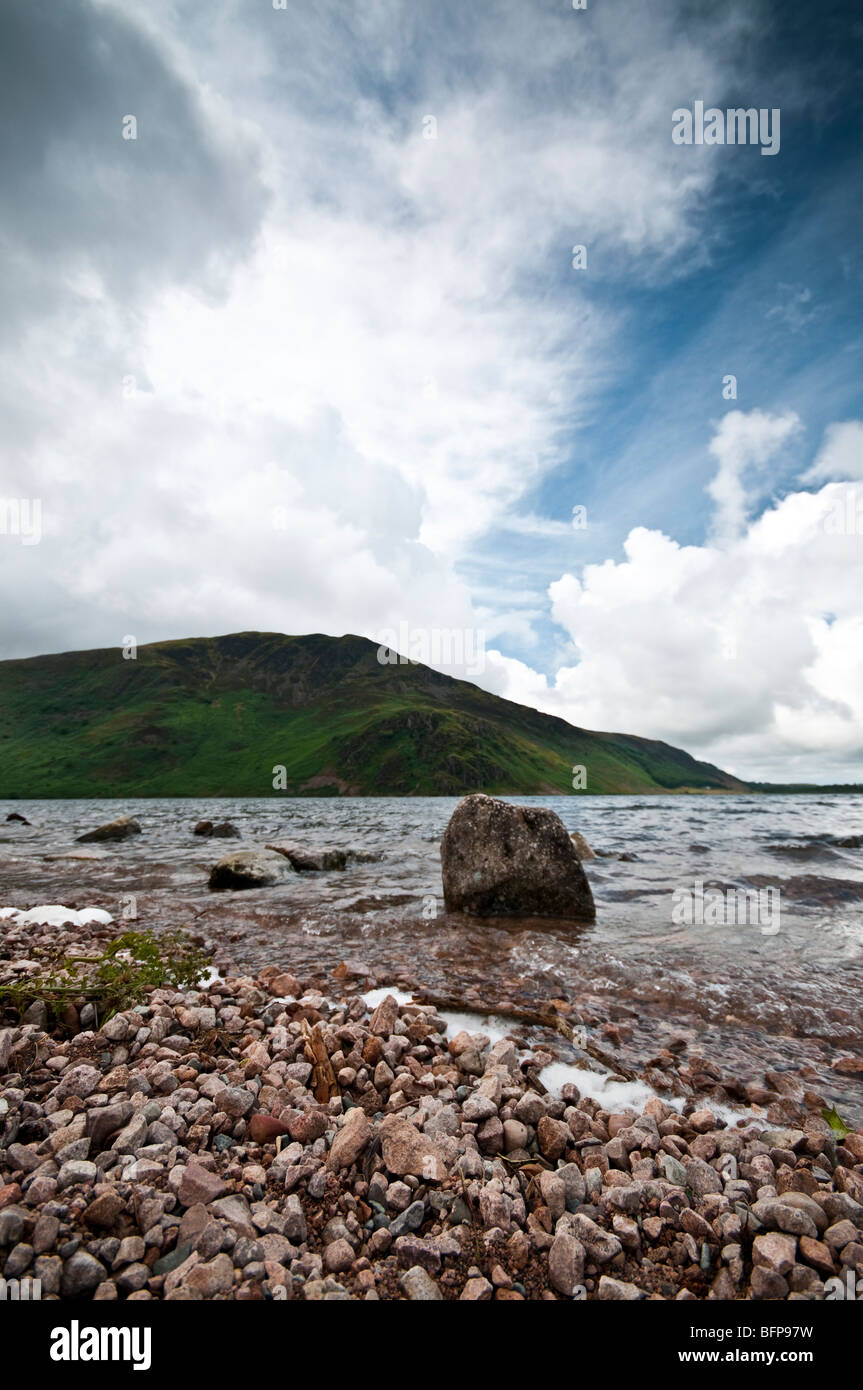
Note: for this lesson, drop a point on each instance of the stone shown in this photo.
(385, 1017)
(566, 1265)
(477, 1291)
(103, 1213)
(76, 1170)
(600, 1245)
(338, 1256)
(419, 1287)
(775, 1252)
(582, 848)
(618, 1291)
(199, 1185)
(305, 859)
(264, 1129)
(500, 860)
(352, 1139)
(407, 1152)
(82, 1273)
(817, 1254)
(214, 1277)
(123, 828)
(250, 868)
(553, 1136)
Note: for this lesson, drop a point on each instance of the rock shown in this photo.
(385, 1017)
(405, 1151)
(778, 1215)
(82, 1273)
(283, 985)
(817, 1254)
(419, 1287)
(600, 1245)
(553, 1136)
(351, 1140)
(204, 827)
(502, 860)
(234, 1211)
(225, 831)
(566, 1265)
(701, 1178)
(79, 1081)
(617, 1290)
(306, 860)
(199, 1185)
(76, 1170)
(477, 1291)
(102, 1214)
(767, 1284)
(775, 1252)
(14, 816)
(121, 829)
(249, 868)
(263, 1129)
(217, 1276)
(338, 1256)
(582, 848)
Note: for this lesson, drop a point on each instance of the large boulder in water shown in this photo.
(512, 861)
(120, 829)
(249, 868)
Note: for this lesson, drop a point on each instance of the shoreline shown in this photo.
(411, 1163)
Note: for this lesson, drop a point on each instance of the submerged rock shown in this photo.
(308, 860)
(121, 829)
(223, 831)
(249, 868)
(502, 861)
(13, 815)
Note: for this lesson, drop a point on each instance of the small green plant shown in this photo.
(119, 977)
(836, 1123)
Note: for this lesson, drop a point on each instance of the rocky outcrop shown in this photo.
(121, 829)
(14, 816)
(249, 868)
(504, 861)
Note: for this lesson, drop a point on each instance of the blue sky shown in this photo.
(283, 362)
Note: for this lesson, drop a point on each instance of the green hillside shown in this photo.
(215, 716)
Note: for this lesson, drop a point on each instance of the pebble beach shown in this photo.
(266, 1137)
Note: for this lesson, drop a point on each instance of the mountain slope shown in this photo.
(216, 716)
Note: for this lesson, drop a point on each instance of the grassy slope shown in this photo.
(214, 716)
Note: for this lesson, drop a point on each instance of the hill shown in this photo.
(215, 717)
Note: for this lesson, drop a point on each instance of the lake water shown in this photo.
(785, 990)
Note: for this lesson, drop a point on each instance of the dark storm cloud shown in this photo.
(176, 203)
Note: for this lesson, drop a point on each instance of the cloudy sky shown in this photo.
(310, 353)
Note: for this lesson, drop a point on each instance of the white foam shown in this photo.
(493, 1026)
(599, 1086)
(55, 915)
(377, 996)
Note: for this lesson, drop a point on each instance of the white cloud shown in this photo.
(840, 455)
(747, 650)
(743, 440)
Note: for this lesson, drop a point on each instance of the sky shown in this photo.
(294, 337)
